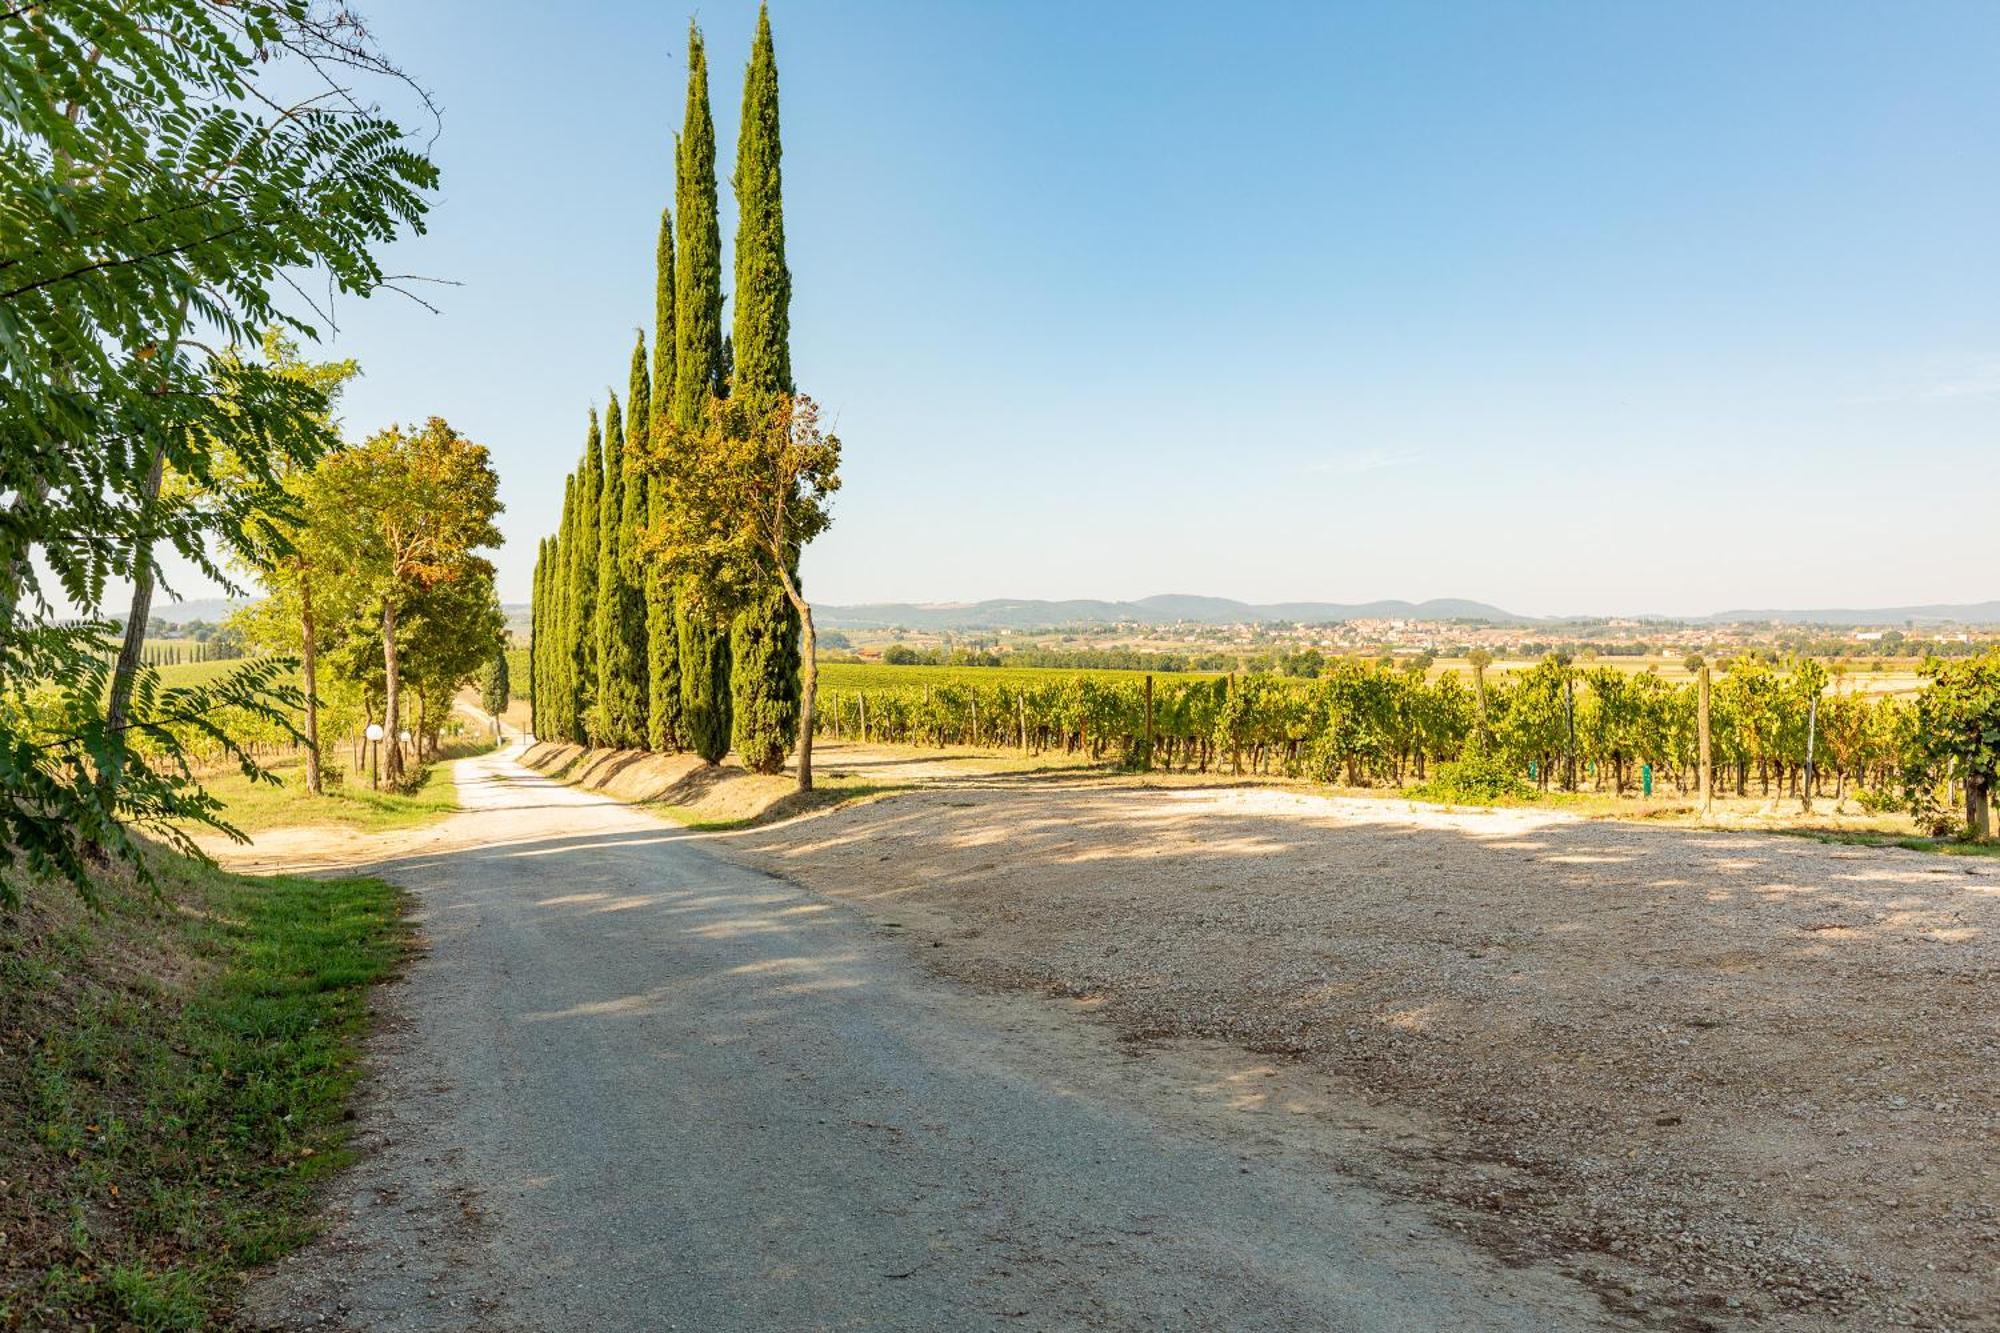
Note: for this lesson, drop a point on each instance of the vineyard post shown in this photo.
(975, 717)
(1703, 759)
(864, 716)
(1812, 729)
(1021, 700)
(1149, 724)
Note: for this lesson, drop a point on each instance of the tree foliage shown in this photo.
(159, 197)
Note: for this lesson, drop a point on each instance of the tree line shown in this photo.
(667, 613)
(1772, 732)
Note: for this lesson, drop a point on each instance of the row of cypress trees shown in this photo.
(617, 657)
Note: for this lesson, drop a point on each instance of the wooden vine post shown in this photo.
(1703, 759)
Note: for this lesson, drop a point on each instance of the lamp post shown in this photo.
(374, 735)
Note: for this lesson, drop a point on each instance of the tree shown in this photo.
(581, 618)
(663, 645)
(1958, 723)
(603, 724)
(698, 370)
(415, 504)
(621, 620)
(494, 686)
(558, 657)
(537, 611)
(287, 549)
(746, 494)
(764, 635)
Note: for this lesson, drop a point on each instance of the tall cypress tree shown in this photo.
(582, 617)
(704, 645)
(618, 671)
(663, 644)
(631, 701)
(559, 656)
(537, 607)
(764, 638)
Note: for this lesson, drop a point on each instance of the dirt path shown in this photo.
(635, 1086)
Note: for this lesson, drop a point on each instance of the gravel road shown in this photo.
(630, 1085)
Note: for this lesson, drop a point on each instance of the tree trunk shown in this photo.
(309, 666)
(808, 677)
(118, 710)
(1978, 825)
(392, 767)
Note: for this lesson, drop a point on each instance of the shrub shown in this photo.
(1476, 780)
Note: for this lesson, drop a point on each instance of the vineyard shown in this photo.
(1555, 724)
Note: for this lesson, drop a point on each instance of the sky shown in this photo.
(1564, 307)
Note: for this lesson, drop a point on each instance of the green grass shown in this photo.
(1862, 838)
(180, 1071)
(348, 801)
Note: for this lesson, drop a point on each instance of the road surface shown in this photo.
(632, 1085)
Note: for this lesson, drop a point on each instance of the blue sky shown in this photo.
(1568, 307)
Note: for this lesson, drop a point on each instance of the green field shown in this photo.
(348, 802)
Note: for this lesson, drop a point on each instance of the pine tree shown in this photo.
(582, 615)
(663, 645)
(704, 645)
(764, 637)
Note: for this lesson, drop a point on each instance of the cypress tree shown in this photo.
(537, 604)
(764, 637)
(608, 704)
(704, 683)
(663, 645)
(631, 707)
(560, 654)
(762, 330)
(704, 645)
(582, 617)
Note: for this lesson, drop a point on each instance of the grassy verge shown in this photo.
(1861, 838)
(348, 801)
(174, 1080)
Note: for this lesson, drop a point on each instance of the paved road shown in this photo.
(635, 1086)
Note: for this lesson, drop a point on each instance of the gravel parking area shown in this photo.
(1720, 1075)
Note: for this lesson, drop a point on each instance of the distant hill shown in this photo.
(1175, 608)
(214, 610)
(1167, 609)
(1961, 613)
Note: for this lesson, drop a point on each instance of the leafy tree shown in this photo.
(414, 506)
(287, 550)
(155, 190)
(745, 495)
(703, 650)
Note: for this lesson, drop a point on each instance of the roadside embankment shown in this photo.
(175, 1074)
